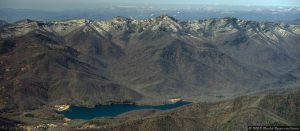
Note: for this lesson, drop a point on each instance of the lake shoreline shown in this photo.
(114, 109)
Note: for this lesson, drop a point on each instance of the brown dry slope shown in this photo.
(279, 107)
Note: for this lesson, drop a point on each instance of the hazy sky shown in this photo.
(83, 4)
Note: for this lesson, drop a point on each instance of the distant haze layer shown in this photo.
(80, 4)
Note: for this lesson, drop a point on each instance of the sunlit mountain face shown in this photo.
(154, 66)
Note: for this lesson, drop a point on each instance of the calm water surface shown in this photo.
(76, 112)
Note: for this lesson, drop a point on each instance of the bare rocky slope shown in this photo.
(84, 62)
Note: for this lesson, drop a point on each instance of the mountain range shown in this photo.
(236, 72)
(85, 62)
